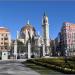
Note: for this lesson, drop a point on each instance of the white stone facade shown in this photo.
(45, 26)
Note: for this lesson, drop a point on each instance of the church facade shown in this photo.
(40, 45)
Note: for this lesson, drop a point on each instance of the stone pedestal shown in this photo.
(29, 50)
(4, 55)
(15, 49)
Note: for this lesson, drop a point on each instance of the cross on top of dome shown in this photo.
(28, 22)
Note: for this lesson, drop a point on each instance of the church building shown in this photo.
(40, 45)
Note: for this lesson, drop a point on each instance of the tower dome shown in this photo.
(28, 27)
(28, 31)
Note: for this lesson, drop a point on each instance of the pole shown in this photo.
(29, 50)
(15, 49)
(43, 49)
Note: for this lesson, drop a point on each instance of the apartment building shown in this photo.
(5, 41)
(67, 39)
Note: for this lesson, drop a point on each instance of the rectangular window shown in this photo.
(1, 47)
(5, 43)
(6, 34)
(5, 38)
(6, 47)
(1, 42)
(1, 38)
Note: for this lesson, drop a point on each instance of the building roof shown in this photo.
(68, 24)
(3, 29)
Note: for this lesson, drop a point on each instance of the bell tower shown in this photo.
(45, 27)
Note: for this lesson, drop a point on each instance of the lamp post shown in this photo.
(65, 57)
(43, 49)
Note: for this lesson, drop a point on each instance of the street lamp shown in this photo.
(65, 57)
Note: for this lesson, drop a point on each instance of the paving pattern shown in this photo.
(15, 68)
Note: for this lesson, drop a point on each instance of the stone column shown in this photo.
(48, 50)
(15, 49)
(43, 49)
(29, 50)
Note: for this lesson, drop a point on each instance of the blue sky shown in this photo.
(14, 14)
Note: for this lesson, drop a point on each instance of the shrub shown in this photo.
(54, 63)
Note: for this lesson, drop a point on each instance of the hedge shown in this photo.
(58, 65)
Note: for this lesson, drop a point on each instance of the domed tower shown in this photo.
(45, 26)
(28, 31)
